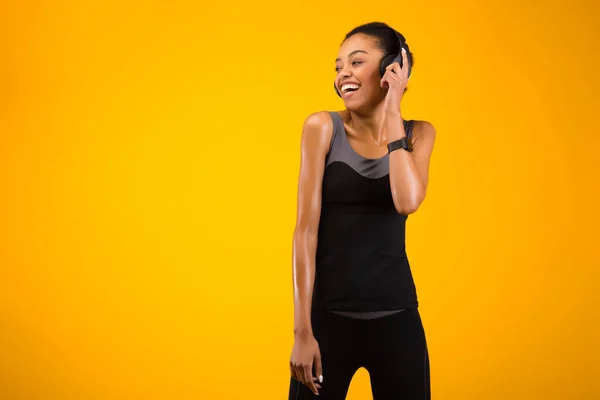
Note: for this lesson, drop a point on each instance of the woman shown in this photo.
(363, 171)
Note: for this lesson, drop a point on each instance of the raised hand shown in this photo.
(395, 80)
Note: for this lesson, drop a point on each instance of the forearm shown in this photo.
(407, 188)
(304, 250)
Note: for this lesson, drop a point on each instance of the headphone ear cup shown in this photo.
(386, 62)
(336, 90)
(390, 59)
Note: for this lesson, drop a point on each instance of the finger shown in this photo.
(404, 63)
(294, 372)
(394, 76)
(307, 372)
(316, 381)
(393, 67)
(319, 367)
(390, 78)
(309, 379)
(300, 373)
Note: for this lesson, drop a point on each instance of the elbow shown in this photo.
(406, 209)
(306, 236)
(409, 204)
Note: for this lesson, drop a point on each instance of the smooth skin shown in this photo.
(372, 120)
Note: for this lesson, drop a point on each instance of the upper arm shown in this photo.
(423, 141)
(317, 132)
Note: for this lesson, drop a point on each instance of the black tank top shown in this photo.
(361, 260)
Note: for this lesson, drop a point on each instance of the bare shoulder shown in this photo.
(424, 131)
(319, 121)
(317, 130)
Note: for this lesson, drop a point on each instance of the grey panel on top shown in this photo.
(341, 150)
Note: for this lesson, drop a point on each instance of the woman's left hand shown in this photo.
(395, 79)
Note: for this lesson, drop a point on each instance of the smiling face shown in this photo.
(357, 68)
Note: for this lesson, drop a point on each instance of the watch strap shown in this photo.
(399, 144)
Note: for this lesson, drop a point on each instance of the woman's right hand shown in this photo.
(305, 355)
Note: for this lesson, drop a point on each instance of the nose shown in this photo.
(344, 72)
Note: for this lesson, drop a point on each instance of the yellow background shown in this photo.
(149, 155)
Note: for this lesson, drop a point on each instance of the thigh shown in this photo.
(398, 359)
(337, 341)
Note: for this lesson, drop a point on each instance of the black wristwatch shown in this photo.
(403, 143)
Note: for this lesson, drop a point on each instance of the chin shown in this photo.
(358, 105)
(361, 104)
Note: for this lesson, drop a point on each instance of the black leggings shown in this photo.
(392, 349)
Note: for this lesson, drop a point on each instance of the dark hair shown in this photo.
(385, 36)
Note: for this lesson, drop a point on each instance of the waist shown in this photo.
(361, 260)
(353, 230)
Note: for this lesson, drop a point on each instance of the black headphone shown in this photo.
(392, 58)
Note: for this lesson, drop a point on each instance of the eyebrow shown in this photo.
(351, 54)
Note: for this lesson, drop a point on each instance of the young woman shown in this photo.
(363, 171)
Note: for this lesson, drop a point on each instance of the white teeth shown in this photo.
(349, 86)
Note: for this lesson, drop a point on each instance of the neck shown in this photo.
(370, 123)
